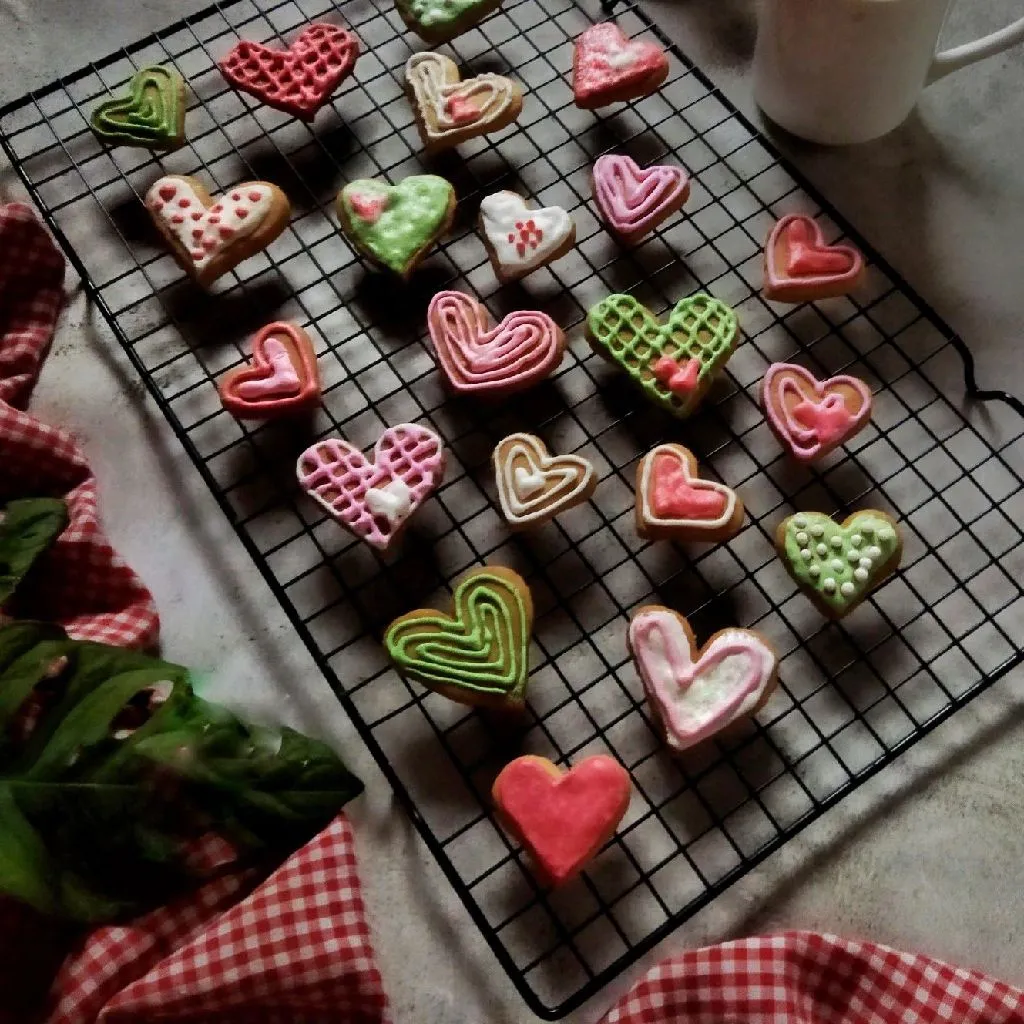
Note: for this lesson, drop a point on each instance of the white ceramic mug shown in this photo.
(843, 71)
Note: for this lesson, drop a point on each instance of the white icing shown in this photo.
(527, 482)
(800, 522)
(534, 486)
(822, 550)
(234, 215)
(837, 565)
(393, 501)
(817, 530)
(700, 524)
(865, 563)
(500, 217)
(829, 584)
(805, 554)
(873, 552)
(837, 543)
(619, 57)
(801, 539)
(856, 540)
(847, 589)
(860, 574)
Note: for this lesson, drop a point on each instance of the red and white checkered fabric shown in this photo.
(807, 978)
(81, 582)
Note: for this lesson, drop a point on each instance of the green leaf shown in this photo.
(110, 766)
(27, 529)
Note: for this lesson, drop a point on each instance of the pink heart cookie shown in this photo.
(799, 266)
(633, 201)
(374, 500)
(696, 694)
(609, 68)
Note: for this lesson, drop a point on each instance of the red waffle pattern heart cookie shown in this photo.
(609, 68)
(300, 79)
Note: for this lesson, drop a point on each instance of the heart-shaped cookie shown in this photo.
(300, 79)
(449, 110)
(374, 499)
(609, 68)
(283, 378)
(208, 237)
(562, 817)
(437, 21)
(152, 116)
(520, 238)
(477, 358)
(673, 363)
(674, 503)
(799, 266)
(634, 201)
(838, 565)
(811, 417)
(696, 694)
(395, 225)
(479, 654)
(534, 486)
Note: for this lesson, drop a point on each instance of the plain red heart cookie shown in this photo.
(609, 68)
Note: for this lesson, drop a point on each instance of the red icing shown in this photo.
(197, 215)
(185, 203)
(829, 419)
(674, 495)
(241, 212)
(168, 192)
(226, 232)
(197, 232)
(562, 818)
(461, 109)
(255, 197)
(680, 378)
(605, 61)
(236, 197)
(177, 219)
(808, 258)
(368, 208)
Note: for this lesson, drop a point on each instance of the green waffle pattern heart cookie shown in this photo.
(838, 565)
(673, 363)
(151, 116)
(395, 225)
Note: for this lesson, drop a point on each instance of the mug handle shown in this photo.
(987, 46)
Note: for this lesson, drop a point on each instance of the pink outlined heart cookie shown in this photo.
(374, 499)
(811, 417)
(698, 693)
(481, 359)
(609, 68)
(632, 200)
(800, 266)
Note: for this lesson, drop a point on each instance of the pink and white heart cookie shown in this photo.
(800, 266)
(696, 693)
(609, 68)
(374, 499)
(209, 237)
(480, 359)
(633, 201)
(811, 417)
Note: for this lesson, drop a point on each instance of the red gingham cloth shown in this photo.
(81, 582)
(807, 978)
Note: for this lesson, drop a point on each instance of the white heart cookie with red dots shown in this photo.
(520, 239)
(207, 236)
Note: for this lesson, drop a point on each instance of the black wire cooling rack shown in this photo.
(852, 695)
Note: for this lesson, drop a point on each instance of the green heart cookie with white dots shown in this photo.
(838, 564)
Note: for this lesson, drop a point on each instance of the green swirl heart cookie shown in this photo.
(151, 116)
(437, 21)
(395, 225)
(478, 655)
(673, 363)
(838, 565)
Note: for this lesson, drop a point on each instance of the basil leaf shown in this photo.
(28, 527)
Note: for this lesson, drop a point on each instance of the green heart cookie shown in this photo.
(480, 655)
(839, 564)
(152, 116)
(396, 224)
(700, 329)
(437, 21)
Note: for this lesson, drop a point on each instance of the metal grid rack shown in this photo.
(852, 695)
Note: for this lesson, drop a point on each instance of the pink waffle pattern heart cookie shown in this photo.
(374, 499)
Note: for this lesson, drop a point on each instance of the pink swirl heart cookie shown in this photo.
(609, 68)
(209, 237)
(283, 378)
(374, 500)
(811, 417)
(799, 266)
(477, 358)
(698, 693)
(634, 201)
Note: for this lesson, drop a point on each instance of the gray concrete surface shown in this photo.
(928, 856)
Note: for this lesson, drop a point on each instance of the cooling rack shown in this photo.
(852, 695)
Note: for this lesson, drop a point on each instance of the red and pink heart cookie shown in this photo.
(374, 499)
(609, 68)
(799, 266)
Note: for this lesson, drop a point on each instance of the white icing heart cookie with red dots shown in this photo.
(207, 236)
(520, 239)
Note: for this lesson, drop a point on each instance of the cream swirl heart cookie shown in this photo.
(209, 237)
(449, 109)
(799, 266)
(534, 486)
(696, 693)
(374, 499)
(838, 564)
(634, 201)
(674, 503)
(519, 238)
(609, 68)
(477, 358)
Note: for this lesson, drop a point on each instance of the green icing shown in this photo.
(430, 13)
(699, 327)
(839, 563)
(394, 223)
(483, 647)
(152, 115)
